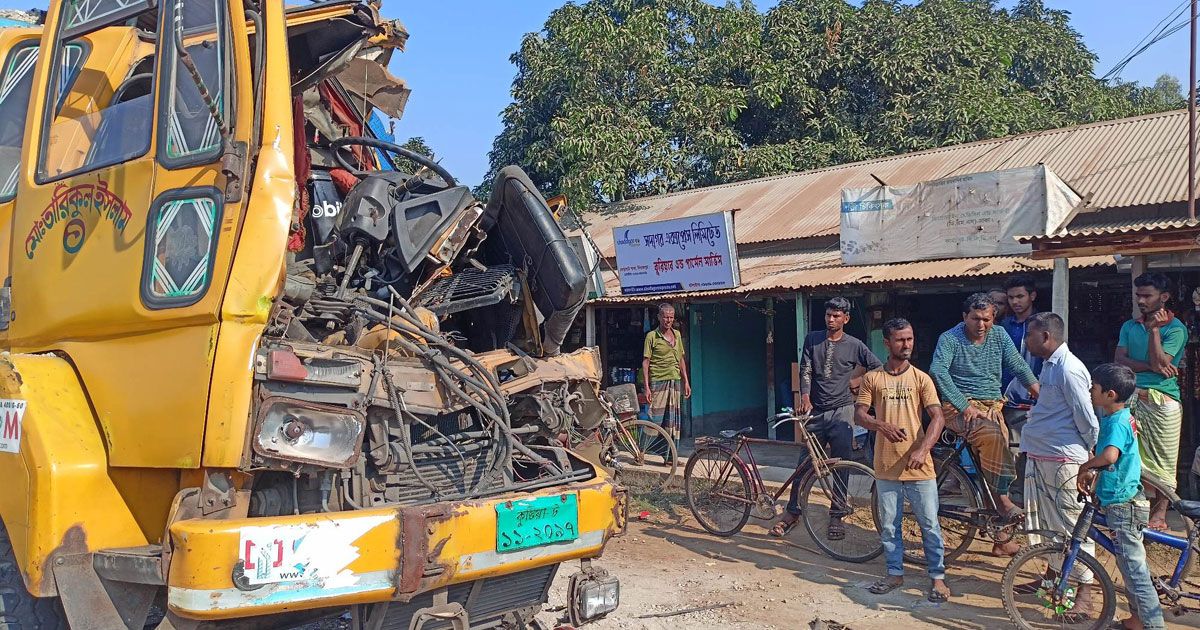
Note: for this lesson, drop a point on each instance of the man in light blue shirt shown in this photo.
(1059, 435)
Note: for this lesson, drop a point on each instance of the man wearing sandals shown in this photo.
(1152, 346)
(967, 366)
(1058, 437)
(828, 364)
(903, 467)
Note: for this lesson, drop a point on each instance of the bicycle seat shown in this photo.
(1190, 509)
(730, 433)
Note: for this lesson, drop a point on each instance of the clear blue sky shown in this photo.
(457, 61)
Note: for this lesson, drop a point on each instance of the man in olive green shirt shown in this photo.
(663, 370)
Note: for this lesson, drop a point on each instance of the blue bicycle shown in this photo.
(1044, 585)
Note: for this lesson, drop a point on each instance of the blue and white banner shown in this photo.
(688, 254)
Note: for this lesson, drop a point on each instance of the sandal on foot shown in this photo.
(937, 597)
(836, 531)
(883, 587)
(1084, 610)
(1158, 525)
(784, 526)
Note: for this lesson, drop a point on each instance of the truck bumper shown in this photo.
(365, 556)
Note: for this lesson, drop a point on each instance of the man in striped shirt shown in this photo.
(967, 366)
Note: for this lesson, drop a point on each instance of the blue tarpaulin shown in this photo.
(5, 22)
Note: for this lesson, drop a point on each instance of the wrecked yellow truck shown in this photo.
(261, 362)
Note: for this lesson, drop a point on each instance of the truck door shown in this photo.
(124, 228)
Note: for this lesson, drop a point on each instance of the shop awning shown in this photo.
(822, 268)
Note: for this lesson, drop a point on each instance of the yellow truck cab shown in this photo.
(261, 363)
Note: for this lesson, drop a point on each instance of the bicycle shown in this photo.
(724, 491)
(966, 505)
(626, 443)
(1054, 598)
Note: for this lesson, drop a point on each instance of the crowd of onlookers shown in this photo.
(1016, 383)
(1044, 429)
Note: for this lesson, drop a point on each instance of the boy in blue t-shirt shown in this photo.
(1119, 490)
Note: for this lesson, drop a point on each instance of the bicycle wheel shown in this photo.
(1160, 559)
(846, 493)
(647, 447)
(956, 496)
(1028, 589)
(717, 485)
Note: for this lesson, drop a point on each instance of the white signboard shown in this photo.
(12, 415)
(689, 254)
(957, 217)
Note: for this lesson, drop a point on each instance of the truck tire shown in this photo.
(18, 609)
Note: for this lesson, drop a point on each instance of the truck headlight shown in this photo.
(298, 431)
(593, 593)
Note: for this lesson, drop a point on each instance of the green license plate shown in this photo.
(536, 522)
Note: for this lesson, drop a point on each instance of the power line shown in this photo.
(1166, 27)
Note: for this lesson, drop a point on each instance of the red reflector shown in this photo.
(284, 365)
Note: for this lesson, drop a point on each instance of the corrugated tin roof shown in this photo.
(1120, 163)
(817, 268)
(1123, 226)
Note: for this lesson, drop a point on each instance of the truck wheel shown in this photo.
(18, 609)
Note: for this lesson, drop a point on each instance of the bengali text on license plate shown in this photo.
(536, 522)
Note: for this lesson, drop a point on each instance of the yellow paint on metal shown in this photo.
(257, 271)
(171, 388)
(58, 495)
(9, 38)
(206, 551)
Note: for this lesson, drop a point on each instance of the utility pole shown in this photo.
(1191, 187)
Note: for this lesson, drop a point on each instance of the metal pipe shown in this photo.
(1192, 121)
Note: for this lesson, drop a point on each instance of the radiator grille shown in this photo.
(486, 601)
(468, 289)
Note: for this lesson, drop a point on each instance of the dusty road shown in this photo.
(667, 563)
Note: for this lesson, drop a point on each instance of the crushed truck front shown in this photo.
(305, 367)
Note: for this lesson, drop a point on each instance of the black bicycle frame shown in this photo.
(981, 490)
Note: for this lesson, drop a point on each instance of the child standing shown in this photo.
(1119, 490)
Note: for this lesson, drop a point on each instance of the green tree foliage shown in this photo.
(416, 144)
(616, 99)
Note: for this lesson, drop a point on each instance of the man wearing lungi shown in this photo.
(966, 367)
(1058, 437)
(664, 370)
(1152, 346)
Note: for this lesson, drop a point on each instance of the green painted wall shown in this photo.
(728, 348)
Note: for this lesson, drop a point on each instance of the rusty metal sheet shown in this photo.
(1120, 163)
(817, 268)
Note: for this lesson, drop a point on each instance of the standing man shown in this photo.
(1020, 294)
(1152, 346)
(663, 369)
(967, 367)
(1000, 300)
(1059, 436)
(827, 364)
(903, 468)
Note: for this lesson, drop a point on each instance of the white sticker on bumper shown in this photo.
(298, 553)
(12, 415)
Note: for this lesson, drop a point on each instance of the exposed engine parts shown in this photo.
(414, 353)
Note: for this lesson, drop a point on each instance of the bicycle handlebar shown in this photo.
(781, 418)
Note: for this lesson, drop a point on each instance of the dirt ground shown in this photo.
(668, 563)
